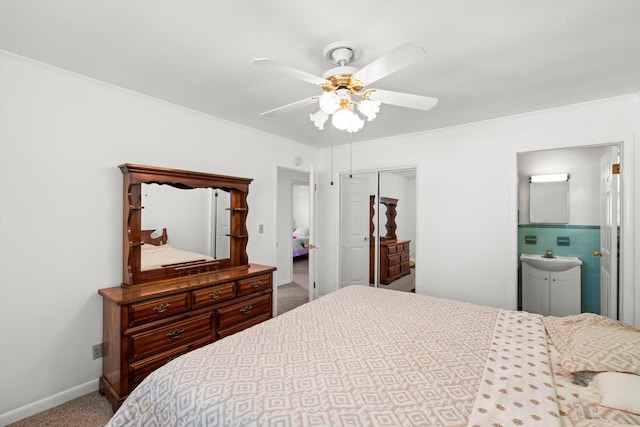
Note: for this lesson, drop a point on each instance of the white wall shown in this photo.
(583, 167)
(300, 206)
(61, 139)
(467, 196)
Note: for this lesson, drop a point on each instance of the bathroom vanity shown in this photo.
(551, 286)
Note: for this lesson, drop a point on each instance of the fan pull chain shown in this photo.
(332, 159)
(351, 155)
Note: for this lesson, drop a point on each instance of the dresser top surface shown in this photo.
(129, 294)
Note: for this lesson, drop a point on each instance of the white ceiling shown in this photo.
(486, 59)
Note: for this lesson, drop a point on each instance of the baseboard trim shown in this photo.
(48, 402)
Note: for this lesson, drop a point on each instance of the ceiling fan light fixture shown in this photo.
(356, 124)
(345, 119)
(329, 102)
(319, 118)
(342, 119)
(369, 108)
(343, 81)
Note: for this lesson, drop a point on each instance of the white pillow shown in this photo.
(301, 231)
(619, 391)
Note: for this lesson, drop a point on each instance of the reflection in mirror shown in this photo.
(197, 221)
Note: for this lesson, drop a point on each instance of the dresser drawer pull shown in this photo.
(246, 309)
(175, 333)
(256, 284)
(161, 308)
(215, 294)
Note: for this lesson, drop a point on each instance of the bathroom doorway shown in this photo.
(580, 236)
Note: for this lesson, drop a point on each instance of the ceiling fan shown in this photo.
(346, 88)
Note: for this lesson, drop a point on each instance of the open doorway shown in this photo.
(589, 229)
(294, 227)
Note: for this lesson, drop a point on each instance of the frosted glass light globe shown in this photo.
(319, 118)
(329, 102)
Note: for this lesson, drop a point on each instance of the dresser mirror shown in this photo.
(196, 220)
(180, 223)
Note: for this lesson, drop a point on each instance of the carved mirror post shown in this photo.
(391, 218)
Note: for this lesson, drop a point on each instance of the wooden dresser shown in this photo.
(146, 326)
(167, 308)
(394, 260)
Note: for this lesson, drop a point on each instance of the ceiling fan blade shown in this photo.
(289, 107)
(399, 58)
(293, 72)
(401, 99)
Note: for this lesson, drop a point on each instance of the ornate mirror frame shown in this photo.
(132, 237)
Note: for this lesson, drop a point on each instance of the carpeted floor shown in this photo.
(296, 293)
(90, 410)
(93, 410)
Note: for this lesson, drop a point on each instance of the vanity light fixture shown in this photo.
(556, 177)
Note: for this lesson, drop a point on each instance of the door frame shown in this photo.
(309, 173)
(629, 296)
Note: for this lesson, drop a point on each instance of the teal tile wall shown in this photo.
(583, 240)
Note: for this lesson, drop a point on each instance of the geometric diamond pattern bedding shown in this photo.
(357, 356)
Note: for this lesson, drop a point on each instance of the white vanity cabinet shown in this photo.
(551, 293)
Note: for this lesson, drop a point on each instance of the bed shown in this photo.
(300, 244)
(378, 357)
(157, 253)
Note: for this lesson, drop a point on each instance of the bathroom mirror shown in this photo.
(549, 202)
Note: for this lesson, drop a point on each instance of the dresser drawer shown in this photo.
(394, 260)
(158, 340)
(238, 313)
(139, 370)
(394, 271)
(213, 295)
(392, 248)
(158, 308)
(404, 257)
(254, 284)
(406, 246)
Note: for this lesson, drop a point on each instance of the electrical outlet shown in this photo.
(96, 351)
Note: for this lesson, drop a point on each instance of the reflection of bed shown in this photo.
(300, 241)
(368, 356)
(300, 245)
(156, 253)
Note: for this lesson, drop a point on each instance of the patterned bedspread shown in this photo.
(359, 356)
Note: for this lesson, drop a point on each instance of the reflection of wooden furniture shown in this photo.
(394, 254)
(157, 241)
(154, 318)
(391, 213)
(394, 260)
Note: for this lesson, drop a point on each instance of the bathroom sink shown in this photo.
(559, 263)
